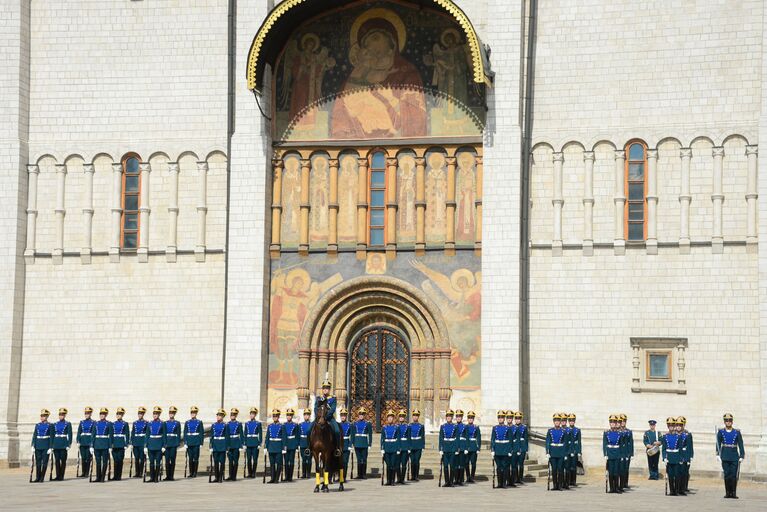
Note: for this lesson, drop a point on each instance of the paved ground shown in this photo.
(197, 494)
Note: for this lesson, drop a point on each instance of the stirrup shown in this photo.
(337, 453)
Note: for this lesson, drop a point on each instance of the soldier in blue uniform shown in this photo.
(523, 442)
(462, 448)
(730, 452)
(473, 444)
(274, 444)
(448, 447)
(651, 440)
(361, 433)
(417, 436)
(218, 446)
(303, 444)
(499, 450)
(612, 451)
(253, 436)
(330, 415)
(556, 449)
(194, 436)
(292, 439)
(628, 451)
(235, 440)
(138, 437)
(42, 445)
(102, 443)
(155, 444)
(85, 441)
(390, 449)
(346, 434)
(404, 446)
(688, 452)
(576, 448)
(565, 479)
(62, 440)
(172, 442)
(513, 453)
(120, 441)
(672, 457)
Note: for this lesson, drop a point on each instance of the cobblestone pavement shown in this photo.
(197, 494)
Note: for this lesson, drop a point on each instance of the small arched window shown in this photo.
(377, 200)
(130, 203)
(636, 192)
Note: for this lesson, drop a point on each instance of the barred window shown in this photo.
(377, 200)
(130, 203)
(636, 192)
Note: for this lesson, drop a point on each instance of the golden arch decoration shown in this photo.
(257, 60)
(383, 301)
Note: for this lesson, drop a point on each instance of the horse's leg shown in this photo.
(317, 473)
(341, 478)
(325, 476)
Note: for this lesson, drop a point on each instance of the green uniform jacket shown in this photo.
(556, 442)
(102, 435)
(62, 431)
(120, 434)
(85, 432)
(42, 437)
(194, 432)
(729, 445)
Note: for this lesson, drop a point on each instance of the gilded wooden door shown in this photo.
(380, 374)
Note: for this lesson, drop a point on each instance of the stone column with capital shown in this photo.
(275, 246)
(117, 185)
(652, 201)
(752, 195)
(420, 205)
(33, 171)
(333, 207)
(684, 201)
(450, 207)
(58, 249)
(717, 197)
(171, 249)
(620, 201)
(478, 204)
(362, 207)
(588, 203)
(391, 207)
(303, 243)
(557, 202)
(144, 211)
(85, 251)
(202, 211)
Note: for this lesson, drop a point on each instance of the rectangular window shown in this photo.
(636, 192)
(659, 366)
(130, 204)
(377, 200)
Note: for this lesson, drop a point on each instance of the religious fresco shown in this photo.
(291, 199)
(465, 195)
(406, 215)
(377, 70)
(298, 283)
(348, 176)
(319, 180)
(436, 198)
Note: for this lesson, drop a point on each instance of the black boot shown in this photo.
(359, 472)
(727, 488)
(415, 469)
(118, 471)
(511, 476)
(680, 486)
(734, 488)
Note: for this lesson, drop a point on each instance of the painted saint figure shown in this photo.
(319, 200)
(304, 67)
(451, 61)
(436, 196)
(406, 199)
(464, 222)
(291, 197)
(347, 200)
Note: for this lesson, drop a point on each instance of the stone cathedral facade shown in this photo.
(536, 205)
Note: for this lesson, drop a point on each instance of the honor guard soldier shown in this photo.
(218, 447)
(120, 441)
(362, 439)
(62, 440)
(292, 439)
(85, 441)
(651, 441)
(253, 436)
(417, 438)
(404, 446)
(234, 442)
(473, 443)
(172, 442)
(303, 444)
(688, 452)
(330, 415)
(102, 443)
(576, 448)
(194, 436)
(512, 462)
(730, 452)
(565, 481)
(390, 447)
(462, 446)
(523, 443)
(448, 447)
(42, 445)
(556, 449)
(612, 451)
(155, 444)
(274, 444)
(346, 433)
(628, 451)
(138, 439)
(499, 450)
(672, 456)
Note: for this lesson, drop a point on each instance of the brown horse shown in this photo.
(323, 447)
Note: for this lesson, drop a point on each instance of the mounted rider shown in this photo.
(330, 414)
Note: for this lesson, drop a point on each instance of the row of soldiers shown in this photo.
(618, 450)
(508, 446)
(563, 448)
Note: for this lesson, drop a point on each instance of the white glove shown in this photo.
(49, 451)
(398, 452)
(519, 453)
(110, 451)
(210, 450)
(33, 450)
(457, 453)
(492, 454)
(548, 456)
(351, 449)
(605, 457)
(284, 451)
(718, 458)
(91, 450)
(183, 447)
(565, 458)
(465, 452)
(740, 460)
(384, 452)
(665, 461)
(440, 454)
(163, 449)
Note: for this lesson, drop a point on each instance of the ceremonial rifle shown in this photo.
(186, 459)
(130, 470)
(77, 469)
(32, 468)
(441, 464)
(210, 467)
(493, 472)
(383, 468)
(109, 465)
(548, 476)
(50, 461)
(263, 481)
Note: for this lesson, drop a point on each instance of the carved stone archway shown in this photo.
(365, 301)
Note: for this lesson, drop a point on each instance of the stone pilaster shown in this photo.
(588, 203)
(144, 210)
(752, 195)
(172, 246)
(620, 201)
(85, 251)
(117, 210)
(60, 211)
(33, 172)
(558, 201)
(652, 201)
(717, 197)
(275, 246)
(684, 202)
(202, 211)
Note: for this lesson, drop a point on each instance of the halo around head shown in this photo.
(385, 14)
(462, 273)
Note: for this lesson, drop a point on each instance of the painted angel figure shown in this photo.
(461, 291)
(451, 61)
(304, 66)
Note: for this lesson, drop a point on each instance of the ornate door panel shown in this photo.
(380, 374)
